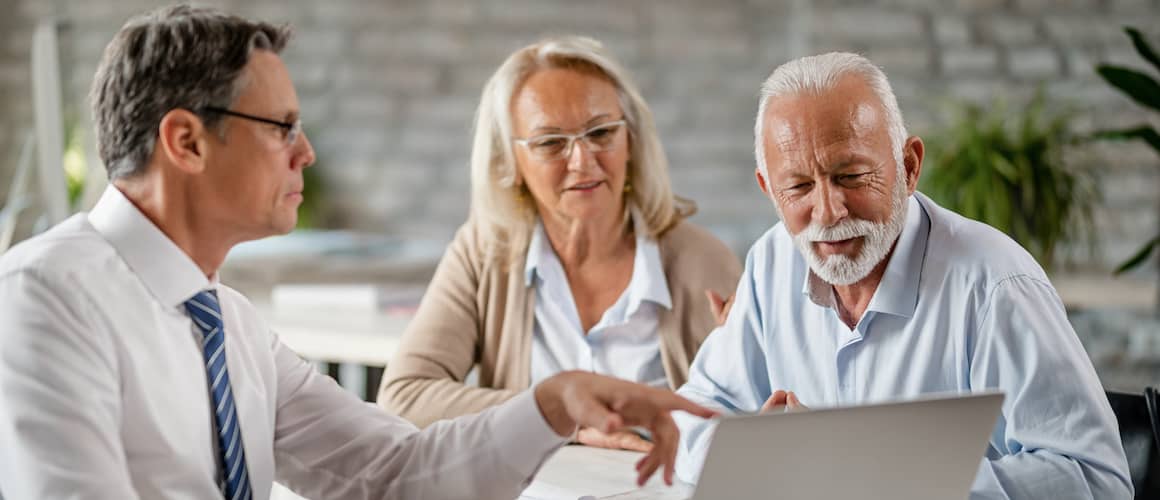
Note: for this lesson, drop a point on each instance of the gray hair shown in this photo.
(175, 57)
(816, 74)
(504, 213)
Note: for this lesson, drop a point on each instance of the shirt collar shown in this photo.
(648, 275)
(169, 274)
(648, 282)
(897, 293)
(539, 251)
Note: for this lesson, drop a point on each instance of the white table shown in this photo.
(336, 335)
(578, 471)
(341, 338)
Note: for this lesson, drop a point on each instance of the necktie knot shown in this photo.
(205, 311)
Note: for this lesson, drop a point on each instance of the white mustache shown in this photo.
(847, 229)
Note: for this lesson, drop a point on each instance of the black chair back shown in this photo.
(1139, 419)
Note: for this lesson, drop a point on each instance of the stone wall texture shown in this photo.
(389, 87)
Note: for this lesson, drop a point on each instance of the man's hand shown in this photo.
(572, 399)
(719, 306)
(620, 440)
(781, 402)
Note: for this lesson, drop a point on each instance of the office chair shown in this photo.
(1139, 419)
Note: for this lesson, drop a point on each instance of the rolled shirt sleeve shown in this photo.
(1058, 437)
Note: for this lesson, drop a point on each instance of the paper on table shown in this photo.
(578, 471)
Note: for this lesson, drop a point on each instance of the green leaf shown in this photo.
(1143, 47)
(1140, 256)
(1145, 132)
(1005, 166)
(1139, 86)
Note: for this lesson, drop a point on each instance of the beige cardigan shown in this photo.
(476, 310)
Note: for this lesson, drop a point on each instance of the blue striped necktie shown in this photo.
(207, 315)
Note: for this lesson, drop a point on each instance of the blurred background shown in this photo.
(1006, 92)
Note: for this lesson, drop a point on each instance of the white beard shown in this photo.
(878, 239)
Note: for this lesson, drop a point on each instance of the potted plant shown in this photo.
(1144, 89)
(1008, 171)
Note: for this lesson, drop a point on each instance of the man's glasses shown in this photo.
(550, 147)
(290, 130)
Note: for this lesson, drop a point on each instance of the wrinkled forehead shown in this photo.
(559, 99)
(792, 123)
(826, 122)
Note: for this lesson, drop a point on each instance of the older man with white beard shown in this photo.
(868, 291)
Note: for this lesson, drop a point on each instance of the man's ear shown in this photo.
(182, 139)
(912, 154)
(761, 182)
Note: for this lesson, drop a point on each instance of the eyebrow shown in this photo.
(849, 161)
(594, 119)
(831, 168)
(588, 124)
(846, 163)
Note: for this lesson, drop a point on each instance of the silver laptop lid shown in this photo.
(924, 448)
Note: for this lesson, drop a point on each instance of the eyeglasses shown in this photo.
(549, 147)
(290, 130)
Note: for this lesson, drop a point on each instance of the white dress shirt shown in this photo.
(103, 390)
(624, 343)
(961, 308)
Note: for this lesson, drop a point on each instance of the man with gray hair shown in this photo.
(128, 371)
(868, 291)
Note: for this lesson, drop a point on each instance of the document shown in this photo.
(585, 473)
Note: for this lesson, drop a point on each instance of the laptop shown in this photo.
(924, 449)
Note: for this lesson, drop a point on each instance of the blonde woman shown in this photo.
(576, 254)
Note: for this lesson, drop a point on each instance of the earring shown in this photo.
(521, 193)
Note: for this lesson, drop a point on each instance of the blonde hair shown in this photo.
(506, 216)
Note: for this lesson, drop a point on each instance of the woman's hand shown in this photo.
(619, 440)
(719, 306)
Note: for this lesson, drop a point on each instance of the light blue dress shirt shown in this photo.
(961, 308)
(624, 343)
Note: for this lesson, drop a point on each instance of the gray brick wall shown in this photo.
(388, 88)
